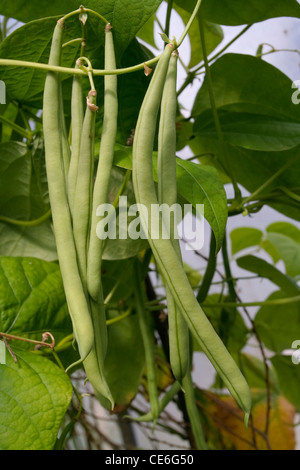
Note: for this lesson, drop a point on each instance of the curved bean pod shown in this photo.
(106, 156)
(94, 363)
(163, 403)
(84, 185)
(64, 137)
(167, 194)
(193, 413)
(166, 258)
(77, 118)
(148, 341)
(78, 307)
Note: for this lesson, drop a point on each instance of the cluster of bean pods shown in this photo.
(184, 312)
(74, 198)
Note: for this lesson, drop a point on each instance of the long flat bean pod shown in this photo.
(94, 363)
(163, 403)
(64, 137)
(77, 117)
(106, 156)
(78, 307)
(193, 413)
(167, 260)
(148, 341)
(167, 194)
(84, 185)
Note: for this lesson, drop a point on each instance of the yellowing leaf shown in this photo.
(228, 420)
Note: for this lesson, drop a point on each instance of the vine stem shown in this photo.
(284, 301)
(188, 26)
(96, 72)
(168, 18)
(232, 41)
(267, 183)
(72, 71)
(26, 223)
(20, 130)
(28, 340)
(82, 10)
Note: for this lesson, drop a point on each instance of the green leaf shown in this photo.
(125, 359)
(119, 249)
(27, 85)
(251, 131)
(132, 88)
(117, 279)
(32, 299)
(24, 11)
(237, 89)
(24, 197)
(14, 160)
(255, 373)
(36, 242)
(202, 185)
(288, 250)
(276, 325)
(127, 17)
(146, 33)
(252, 169)
(235, 334)
(288, 375)
(264, 269)
(197, 184)
(244, 237)
(34, 397)
(285, 228)
(229, 12)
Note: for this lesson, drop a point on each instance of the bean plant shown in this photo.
(101, 305)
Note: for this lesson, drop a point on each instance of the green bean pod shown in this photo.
(166, 258)
(148, 341)
(77, 118)
(77, 303)
(84, 185)
(167, 194)
(94, 363)
(64, 137)
(193, 413)
(106, 156)
(163, 403)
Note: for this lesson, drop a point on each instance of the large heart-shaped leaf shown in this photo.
(125, 359)
(126, 16)
(229, 12)
(196, 184)
(202, 185)
(278, 329)
(288, 377)
(34, 397)
(236, 88)
(268, 271)
(24, 197)
(288, 250)
(251, 131)
(32, 299)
